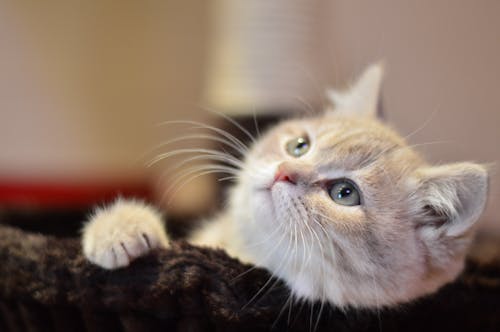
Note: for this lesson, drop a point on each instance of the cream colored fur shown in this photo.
(124, 231)
(408, 237)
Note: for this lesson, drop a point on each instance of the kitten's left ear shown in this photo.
(451, 197)
(363, 97)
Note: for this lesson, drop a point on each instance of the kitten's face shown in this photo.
(324, 248)
(343, 210)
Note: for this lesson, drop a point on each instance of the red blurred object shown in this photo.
(51, 195)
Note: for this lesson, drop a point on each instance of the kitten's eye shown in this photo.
(298, 146)
(344, 192)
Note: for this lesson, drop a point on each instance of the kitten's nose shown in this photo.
(285, 174)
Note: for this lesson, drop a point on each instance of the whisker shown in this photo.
(396, 148)
(301, 220)
(295, 245)
(224, 159)
(319, 314)
(308, 107)
(255, 244)
(204, 167)
(314, 82)
(289, 311)
(191, 178)
(288, 303)
(194, 176)
(227, 178)
(201, 125)
(255, 122)
(273, 275)
(210, 152)
(219, 139)
(426, 122)
(270, 252)
(277, 270)
(428, 143)
(233, 122)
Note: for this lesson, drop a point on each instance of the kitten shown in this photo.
(337, 205)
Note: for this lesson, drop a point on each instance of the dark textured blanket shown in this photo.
(46, 285)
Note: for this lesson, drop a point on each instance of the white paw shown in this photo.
(118, 234)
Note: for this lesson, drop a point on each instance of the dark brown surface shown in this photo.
(46, 285)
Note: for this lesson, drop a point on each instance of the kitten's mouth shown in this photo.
(278, 180)
(270, 186)
(266, 188)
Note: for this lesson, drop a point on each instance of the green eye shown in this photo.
(344, 192)
(298, 146)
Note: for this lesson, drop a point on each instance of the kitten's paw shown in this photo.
(118, 234)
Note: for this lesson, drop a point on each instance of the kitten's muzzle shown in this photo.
(294, 173)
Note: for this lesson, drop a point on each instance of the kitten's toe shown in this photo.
(122, 256)
(106, 258)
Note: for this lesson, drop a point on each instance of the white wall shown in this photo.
(82, 85)
(443, 72)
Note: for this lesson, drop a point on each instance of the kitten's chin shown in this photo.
(264, 207)
(258, 202)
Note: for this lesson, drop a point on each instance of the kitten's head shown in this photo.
(342, 209)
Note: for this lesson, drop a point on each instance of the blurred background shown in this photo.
(86, 87)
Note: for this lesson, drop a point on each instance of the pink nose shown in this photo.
(285, 175)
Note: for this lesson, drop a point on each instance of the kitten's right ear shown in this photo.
(362, 98)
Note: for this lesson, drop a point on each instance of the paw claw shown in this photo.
(125, 250)
(145, 237)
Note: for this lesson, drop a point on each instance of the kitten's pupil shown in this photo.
(297, 146)
(301, 145)
(343, 192)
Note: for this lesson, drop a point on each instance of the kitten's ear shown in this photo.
(451, 197)
(362, 98)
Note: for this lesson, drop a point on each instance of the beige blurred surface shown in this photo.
(82, 85)
(443, 73)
